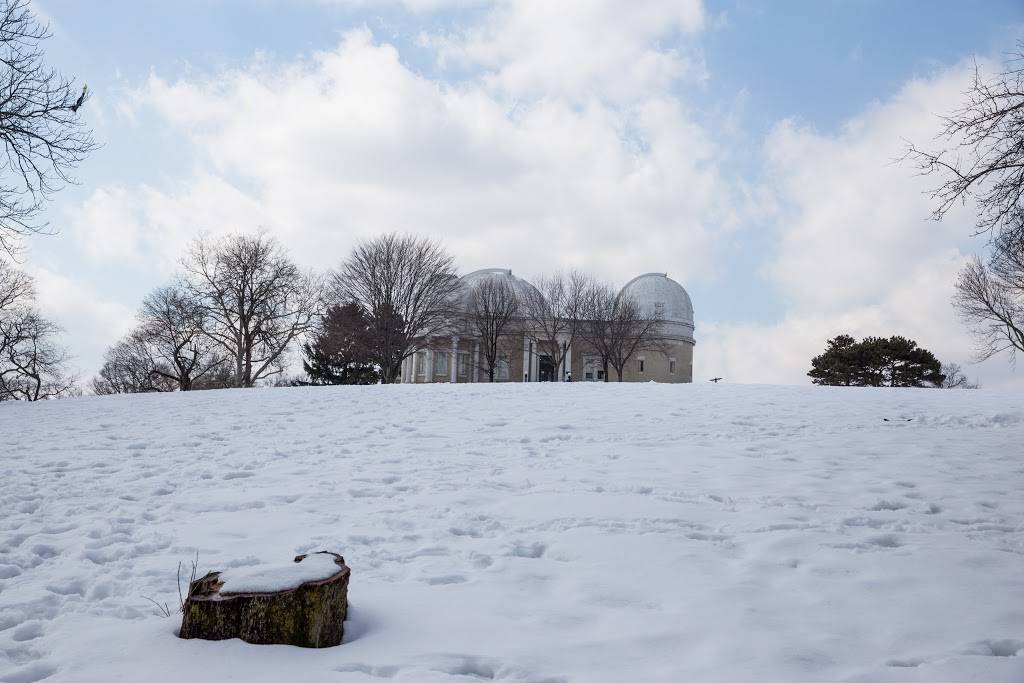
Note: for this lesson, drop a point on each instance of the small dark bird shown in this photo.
(716, 380)
(81, 99)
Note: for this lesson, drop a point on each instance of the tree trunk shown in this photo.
(309, 615)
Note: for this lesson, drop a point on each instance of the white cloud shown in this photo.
(352, 143)
(91, 322)
(147, 228)
(413, 5)
(580, 49)
(856, 252)
(853, 219)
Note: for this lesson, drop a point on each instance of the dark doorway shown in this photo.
(545, 369)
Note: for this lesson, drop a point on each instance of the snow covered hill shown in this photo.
(528, 532)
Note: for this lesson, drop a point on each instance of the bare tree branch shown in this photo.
(983, 155)
(42, 138)
(990, 297)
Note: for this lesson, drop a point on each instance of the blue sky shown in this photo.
(746, 148)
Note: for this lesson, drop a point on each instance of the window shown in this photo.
(672, 365)
(463, 363)
(421, 363)
(440, 362)
(501, 368)
(640, 365)
(659, 309)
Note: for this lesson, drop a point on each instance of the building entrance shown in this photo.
(545, 369)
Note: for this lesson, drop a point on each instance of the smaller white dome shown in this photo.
(658, 292)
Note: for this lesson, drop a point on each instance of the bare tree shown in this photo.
(42, 135)
(407, 286)
(990, 297)
(492, 315)
(255, 298)
(16, 287)
(130, 368)
(984, 155)
(174, 327)
(617, 327)
(554, 310)
(955, 378)
(33, 367)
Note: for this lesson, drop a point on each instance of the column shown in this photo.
(568, 360)
(526, 358)
(430, 367)
(412, 367)
(475, 370)
(453, 363)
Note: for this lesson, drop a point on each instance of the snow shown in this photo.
(279, 576)
(571, 532)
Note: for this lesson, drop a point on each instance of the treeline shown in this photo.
(240, 305)
(227, 320)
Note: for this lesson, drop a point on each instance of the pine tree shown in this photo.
(876, 362)
(837, 366)
(340, 352)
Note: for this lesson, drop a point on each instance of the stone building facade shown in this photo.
(456, 358)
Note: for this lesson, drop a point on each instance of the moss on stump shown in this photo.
(309, 615)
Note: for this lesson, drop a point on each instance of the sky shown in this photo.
(750, 150)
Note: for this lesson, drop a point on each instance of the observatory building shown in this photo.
(524, 356)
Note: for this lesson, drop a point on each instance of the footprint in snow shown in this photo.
(446, 580)
(996, 648)
(27, 631)
(529, 550)
(36, 671)
(907, 662)
(889, 505)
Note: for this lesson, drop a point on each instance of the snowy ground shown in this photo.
(528, 532)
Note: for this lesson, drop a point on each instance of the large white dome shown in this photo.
(657, 291)
(470, 280)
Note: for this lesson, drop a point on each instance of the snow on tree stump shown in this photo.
(301, 603)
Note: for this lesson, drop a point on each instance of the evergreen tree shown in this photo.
(837, 366)
(876, 362)
(341, 352)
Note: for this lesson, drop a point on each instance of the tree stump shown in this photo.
(303, 603)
